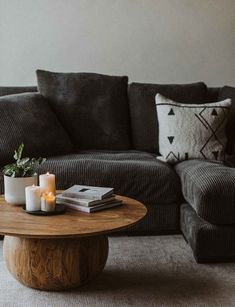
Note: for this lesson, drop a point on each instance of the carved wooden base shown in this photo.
(55, 264)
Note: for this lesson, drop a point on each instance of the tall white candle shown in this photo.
(33, 198)
(47, 183)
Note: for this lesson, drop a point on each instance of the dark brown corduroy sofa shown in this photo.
(133, 170)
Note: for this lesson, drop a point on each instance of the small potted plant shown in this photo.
(18, 175)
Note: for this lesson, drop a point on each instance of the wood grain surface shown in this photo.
(55, 264)
(14, 221)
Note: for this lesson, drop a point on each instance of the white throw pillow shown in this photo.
(191, 131)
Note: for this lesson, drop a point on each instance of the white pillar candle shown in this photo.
(47, 183)
(33, 198)
(48, 202)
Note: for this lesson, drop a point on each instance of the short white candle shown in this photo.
(33, 198)
(48, 202)
(47, 183)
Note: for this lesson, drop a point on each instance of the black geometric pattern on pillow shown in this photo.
(171, 139)
(213, 134)
(191, 131)
(214, 112)
(171, 112)
(207, 125)
(171, 153)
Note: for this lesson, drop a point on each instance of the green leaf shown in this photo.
(23, 161)
(23, 167)
(9, 173)
(18, 152)
(8, 166)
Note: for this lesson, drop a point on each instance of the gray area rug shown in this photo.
(141, 271)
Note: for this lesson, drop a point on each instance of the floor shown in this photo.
(140, 271)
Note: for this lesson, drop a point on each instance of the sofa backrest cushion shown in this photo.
(93, 108)
(212, 94)
(10, 90)
(229, 92)
(143, 113)
(29, 119)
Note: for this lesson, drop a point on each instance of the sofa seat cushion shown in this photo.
(143, 109)
(210, 189)
(93, 108)
(135, 174)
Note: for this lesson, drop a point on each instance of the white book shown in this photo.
(84, 202)
(88, 192)
(91, 209)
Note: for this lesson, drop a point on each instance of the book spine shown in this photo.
(108, 206)
(85, 202)
(74, 201)
(76, 207)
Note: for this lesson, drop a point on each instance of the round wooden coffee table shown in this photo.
(61, 251)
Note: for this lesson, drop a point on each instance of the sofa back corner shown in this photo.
(11, 90)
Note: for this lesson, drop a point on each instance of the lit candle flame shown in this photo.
(47, 173)
(48, 195)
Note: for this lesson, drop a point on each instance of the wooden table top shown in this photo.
(15, 222)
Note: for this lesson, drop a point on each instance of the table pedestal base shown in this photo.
(55, 264)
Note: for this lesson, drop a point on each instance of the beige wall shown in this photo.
(149, 40)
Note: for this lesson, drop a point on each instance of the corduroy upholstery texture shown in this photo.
(230, 161)
(29, 119)
(160, 219)
(210, 243)
(229, 92)
(93, 108)
(143, 110)
(210, 189)
(9, 90)
(136, 174)
(212, 94)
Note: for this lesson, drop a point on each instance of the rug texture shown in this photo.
(140, 271)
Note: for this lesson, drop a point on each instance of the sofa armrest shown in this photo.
(209, 188)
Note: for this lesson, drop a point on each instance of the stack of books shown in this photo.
(88, 199)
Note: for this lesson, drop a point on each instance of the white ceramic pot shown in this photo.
(14, 188)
